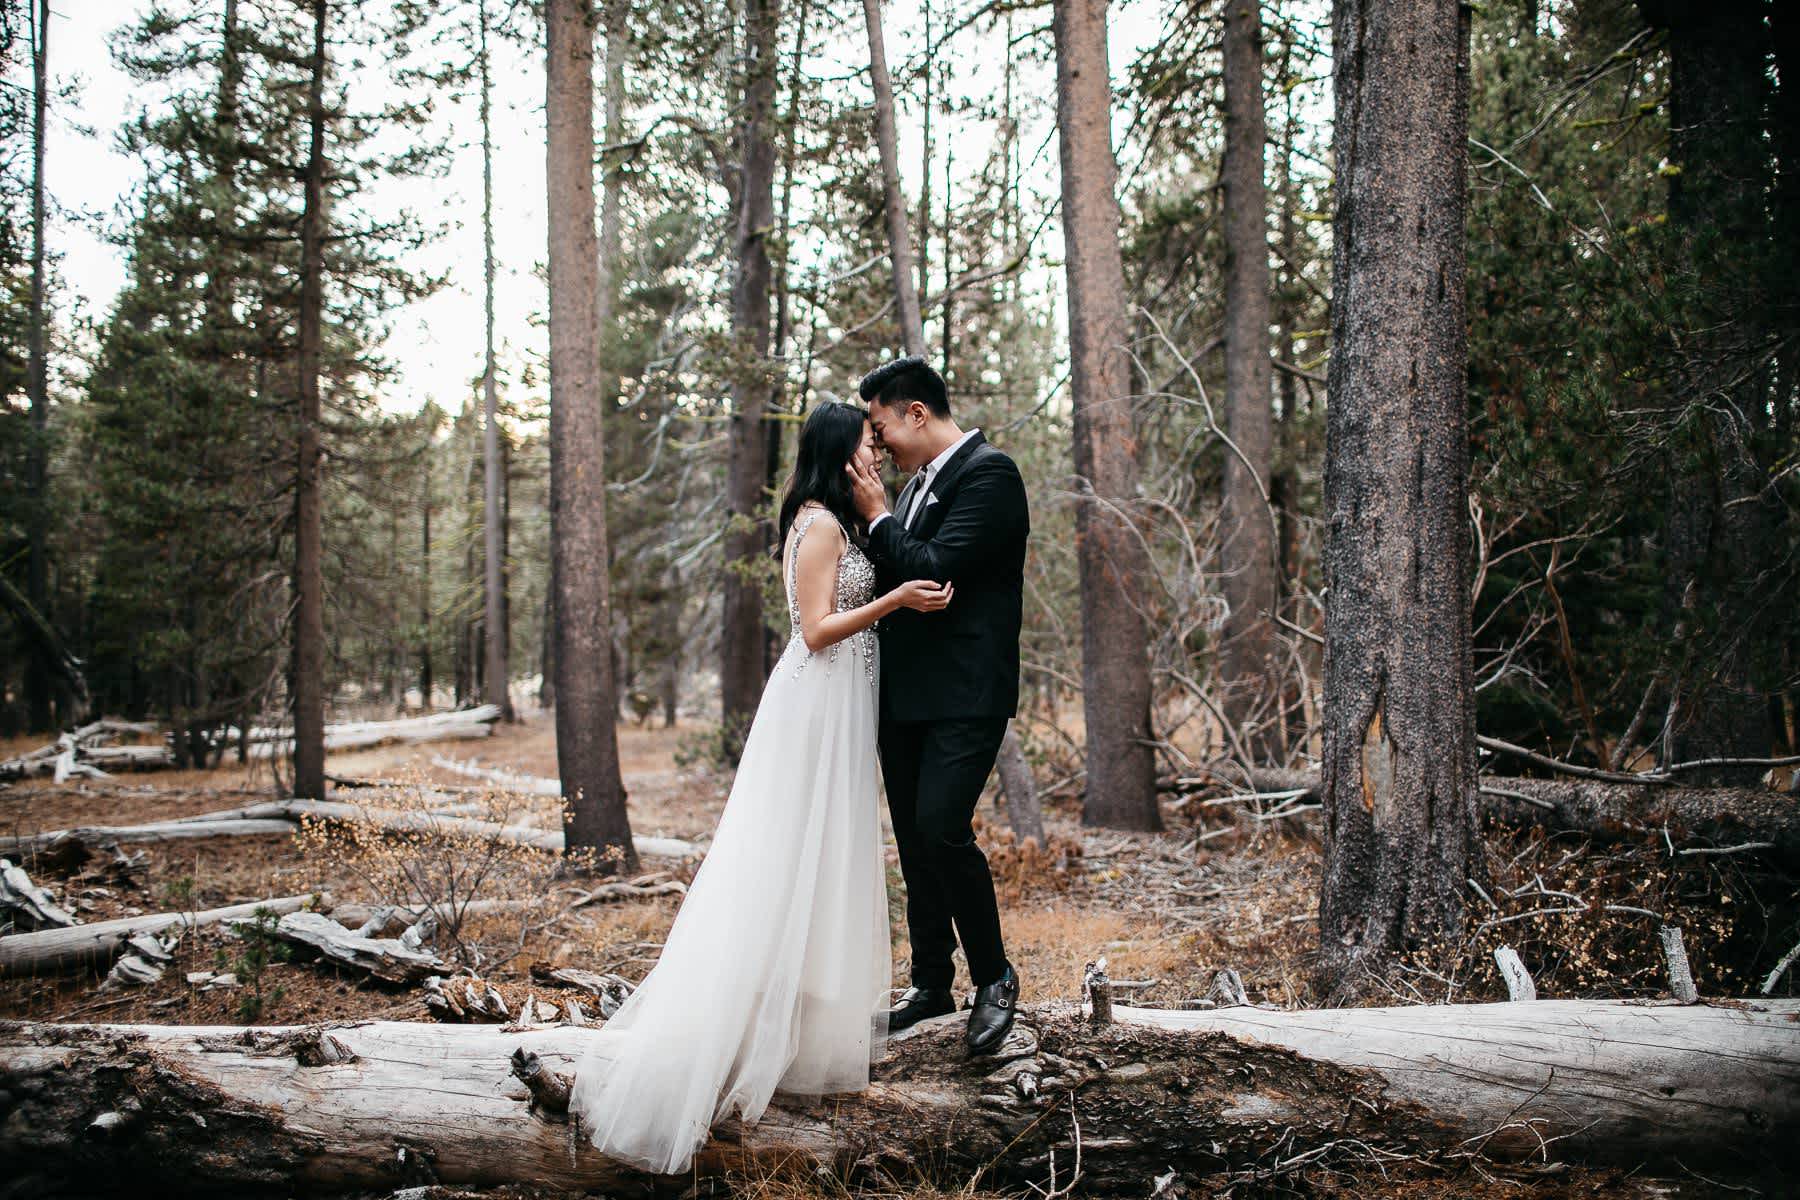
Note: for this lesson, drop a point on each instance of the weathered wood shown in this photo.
(385, 958)
(1716, 816)
(1681, 978)
(59, 843)
(1519, 984)
(361, 1104)
(33, 906)
(284, 816)
(48, 951)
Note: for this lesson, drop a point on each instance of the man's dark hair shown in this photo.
(904, 380)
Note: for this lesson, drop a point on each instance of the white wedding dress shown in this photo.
(776, 972)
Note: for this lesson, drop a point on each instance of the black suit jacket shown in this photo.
(963, 661)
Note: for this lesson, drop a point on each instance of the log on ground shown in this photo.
(51, 951)
(1718, 818)
(284, 816)
(383, 1104)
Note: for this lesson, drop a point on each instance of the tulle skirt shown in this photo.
(776, 973)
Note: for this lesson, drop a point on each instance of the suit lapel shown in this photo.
(946, 479)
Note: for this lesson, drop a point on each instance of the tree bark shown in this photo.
(498, 673)
(425, 679)
(1023, 811)
(1115, 668)
(309, 608)
(899, 228)
(1247, 674)
(741, 640)
(1722, 514)
(379, 1103)
(587, 741)
(39, 711)
(1399, 771)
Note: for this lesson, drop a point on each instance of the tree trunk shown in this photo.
(1399, 729)
(612, 195)
(1246, 671)
(498, 673)
(741, 653)
(1721, 512)
(375, 1104)
(1023, 811)
(899, 228)
(425, 680)
(309, 609)
(587, 740)
(39, 711)
(1115, 668)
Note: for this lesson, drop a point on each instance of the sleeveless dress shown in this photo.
(776, 972)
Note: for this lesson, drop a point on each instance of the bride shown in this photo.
(776, 972)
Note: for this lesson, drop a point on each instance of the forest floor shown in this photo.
(1168, 911)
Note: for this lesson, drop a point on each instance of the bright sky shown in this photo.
(436, 343)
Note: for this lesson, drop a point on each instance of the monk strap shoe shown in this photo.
(992, 1017)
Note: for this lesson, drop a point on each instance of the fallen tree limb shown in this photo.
(284, 816)
(51, 951)
(379, 1104)
(390, 818)
(392, 959)
(80, 753)
(1721, 817)
(31, 904)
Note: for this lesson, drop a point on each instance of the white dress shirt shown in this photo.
(931, 472)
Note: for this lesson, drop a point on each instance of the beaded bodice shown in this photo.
(855, 588)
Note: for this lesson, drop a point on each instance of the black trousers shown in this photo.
(934, 772)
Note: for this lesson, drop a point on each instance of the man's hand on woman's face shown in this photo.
(866, 491)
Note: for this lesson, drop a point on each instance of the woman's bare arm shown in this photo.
(815, 590)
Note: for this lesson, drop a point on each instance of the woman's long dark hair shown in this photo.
(830, 436)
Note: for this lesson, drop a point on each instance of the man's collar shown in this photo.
(936, 464)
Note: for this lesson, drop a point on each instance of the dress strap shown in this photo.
(801, 525)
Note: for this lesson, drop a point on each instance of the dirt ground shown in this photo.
(1168, 911)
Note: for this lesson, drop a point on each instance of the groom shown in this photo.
(949, 680)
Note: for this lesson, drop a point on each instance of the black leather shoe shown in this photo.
(919, 1004)
(992, 1016)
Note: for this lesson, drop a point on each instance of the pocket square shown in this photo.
(930, 499)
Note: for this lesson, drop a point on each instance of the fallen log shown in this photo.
(500, 777)
(52, 951)
(76, 753)
(381, 1104)
(284, 816)
(405, 819)
(1716, 817)
(456, 724)
(73, 845)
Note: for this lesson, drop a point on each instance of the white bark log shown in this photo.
(48, 951)
(377, 1104)
(283, 816)
(512, 781)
